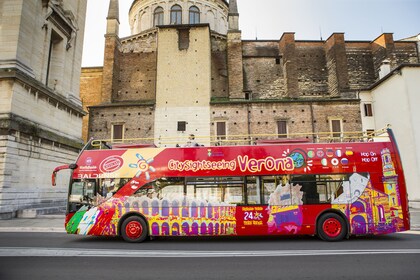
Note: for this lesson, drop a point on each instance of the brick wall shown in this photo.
(90, 93)
(138, 121)
(137, 79)
(360, 65)
(235, 65)
(301, 117)
(219, 75)
(311, 69)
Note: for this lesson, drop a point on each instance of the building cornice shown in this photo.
(397, 70)
(37, 87)
(11, 122)
(145, 103)
(284, 101)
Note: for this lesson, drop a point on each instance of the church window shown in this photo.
(282, 128)
(182, 126)
(158, 16)
(194, 15)
(183, 39)
(221, 130)
(176, 14)
(55, 60)
(117, 132)
(336, 127)
(368, 110)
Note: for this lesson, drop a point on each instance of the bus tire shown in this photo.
(331, 227)
(134, 229)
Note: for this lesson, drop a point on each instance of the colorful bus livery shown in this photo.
(331, 190)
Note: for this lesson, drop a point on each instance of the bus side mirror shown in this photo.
(53, 177)
(54, 174)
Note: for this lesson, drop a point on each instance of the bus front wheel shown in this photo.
(331, 227)
(134, 229)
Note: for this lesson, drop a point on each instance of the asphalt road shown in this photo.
(61, 256)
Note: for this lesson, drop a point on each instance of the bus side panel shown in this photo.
(204, 220)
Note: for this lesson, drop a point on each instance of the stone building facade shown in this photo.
(40, 109)
(177, 75)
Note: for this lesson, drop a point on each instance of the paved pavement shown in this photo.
(55, 223)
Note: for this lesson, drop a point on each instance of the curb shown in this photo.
(32, 229)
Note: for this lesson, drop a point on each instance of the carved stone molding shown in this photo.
(63, 19)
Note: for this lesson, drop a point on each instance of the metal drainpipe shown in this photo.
(249, 122)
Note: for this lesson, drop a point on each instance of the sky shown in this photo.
(360, 20)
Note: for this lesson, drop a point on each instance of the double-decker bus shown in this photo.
(332, 190)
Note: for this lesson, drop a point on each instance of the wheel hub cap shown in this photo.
(134, 229)
(332, 227)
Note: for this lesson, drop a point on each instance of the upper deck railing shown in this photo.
(244, 139)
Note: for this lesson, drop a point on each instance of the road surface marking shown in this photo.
(82, 252)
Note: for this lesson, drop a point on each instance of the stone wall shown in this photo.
(183, 88)
(212, 12)
(40, 109)
(26, 165)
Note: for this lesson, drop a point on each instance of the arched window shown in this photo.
(158, 16)
(176, 14)
(194, 15)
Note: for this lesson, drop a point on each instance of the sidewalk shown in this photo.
(42, 223)
(55, 223)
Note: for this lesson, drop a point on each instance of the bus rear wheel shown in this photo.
(331, 227)
(134, 229)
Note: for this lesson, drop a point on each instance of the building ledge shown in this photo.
(10, 123)
(215, 101)
(125, 104)
(40, 89)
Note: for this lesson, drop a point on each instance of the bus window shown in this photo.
(253, 189)
(324, 188)
(83, 191)
(233, 194)
(210, 193)
(76, 192)
(269, 185)
(169, 188)
(217, 189)
(309, 188)
(284, 193)
(110, 186)
(332, 186)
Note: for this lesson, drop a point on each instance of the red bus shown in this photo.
(332, 190)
